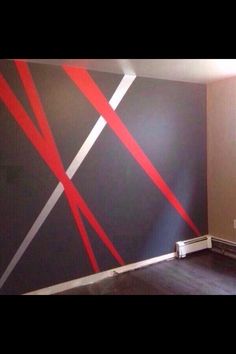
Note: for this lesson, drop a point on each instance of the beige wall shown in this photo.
(221, 145)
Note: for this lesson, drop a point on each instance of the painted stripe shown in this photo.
(58, 168)
(117, 97)
(48, 156)
(91, 91)
(37, 108)
(45, 152)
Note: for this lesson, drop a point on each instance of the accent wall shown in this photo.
(97, 170)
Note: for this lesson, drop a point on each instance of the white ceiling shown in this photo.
(189, 70)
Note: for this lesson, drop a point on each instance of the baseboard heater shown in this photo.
(192, 245)
(224, 247)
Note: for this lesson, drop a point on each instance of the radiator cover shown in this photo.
(192, 245)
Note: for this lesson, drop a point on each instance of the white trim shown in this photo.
(55, 289)
(223, 240)
(118, 95)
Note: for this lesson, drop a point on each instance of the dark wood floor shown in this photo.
(202, 273)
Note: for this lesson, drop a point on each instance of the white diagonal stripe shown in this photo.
(120, 92)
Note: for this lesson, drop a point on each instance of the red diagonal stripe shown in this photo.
(17, 111)
(88, 87)
(45, 152)
(48, 155)
(36, 105)
(35, 102)
(81, 228)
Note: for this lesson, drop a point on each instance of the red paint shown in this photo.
(45, 145)
(88, 87)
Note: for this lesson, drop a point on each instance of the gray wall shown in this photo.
(167, 119)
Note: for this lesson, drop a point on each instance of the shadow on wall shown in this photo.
(170, 227)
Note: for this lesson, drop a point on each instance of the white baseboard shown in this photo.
(55, 289)
(223, 240)
(204, 243)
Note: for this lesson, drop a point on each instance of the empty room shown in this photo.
(118, 177)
